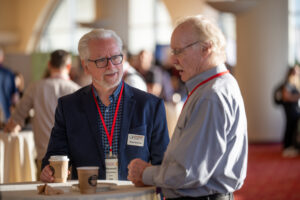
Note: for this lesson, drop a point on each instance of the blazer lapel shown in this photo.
(91, 112)
(128, 110)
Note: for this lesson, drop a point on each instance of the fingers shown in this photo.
(12, 127)
(135, 172)
(138, 183)
(46, 175)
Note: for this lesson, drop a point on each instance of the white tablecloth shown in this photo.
(124, 190)
(17, 155)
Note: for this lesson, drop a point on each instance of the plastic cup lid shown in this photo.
(59, 158)
(87, 168)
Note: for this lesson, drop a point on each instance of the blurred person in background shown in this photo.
(173, 108)
(8, 90)
(290, 102)
(154, 83)
(145, 65)
(42, 96)
(20, 83)
(207, 155)
(108, 120)
(78, 75)
(131, 76)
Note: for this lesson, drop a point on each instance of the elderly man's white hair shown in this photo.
(208, 33)
(96, 34)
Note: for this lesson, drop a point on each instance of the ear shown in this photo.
(85, 67)
(206, 48)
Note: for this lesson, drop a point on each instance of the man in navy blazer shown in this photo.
(107, 119)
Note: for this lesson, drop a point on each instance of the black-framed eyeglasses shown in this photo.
(103, 62)
(180, 50)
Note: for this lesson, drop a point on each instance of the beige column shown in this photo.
(262, 59)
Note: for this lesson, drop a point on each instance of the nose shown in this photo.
(109, 64)
(174, 60)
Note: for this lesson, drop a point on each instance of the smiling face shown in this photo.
(110, 76)
(191, 57)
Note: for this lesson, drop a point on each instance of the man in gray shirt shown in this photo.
(207, 155)
(42, 96)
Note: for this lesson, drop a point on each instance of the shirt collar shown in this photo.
(114, 95)
(60, 75)
(193, 82)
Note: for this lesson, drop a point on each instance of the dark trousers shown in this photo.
(291, 127)
(228, 196)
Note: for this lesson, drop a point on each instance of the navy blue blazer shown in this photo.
(76, 132)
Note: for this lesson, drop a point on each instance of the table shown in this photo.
(124, 190)
(17, 157)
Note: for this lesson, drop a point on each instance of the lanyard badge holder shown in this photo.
(111, 161)
(111, 165)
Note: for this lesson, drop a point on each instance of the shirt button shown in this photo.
(106, 110)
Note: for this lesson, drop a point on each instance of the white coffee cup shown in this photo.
(59, 167)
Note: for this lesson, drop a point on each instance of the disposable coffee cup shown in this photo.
(59, 167)
(87, 177)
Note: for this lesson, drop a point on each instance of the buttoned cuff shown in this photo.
(148, 175)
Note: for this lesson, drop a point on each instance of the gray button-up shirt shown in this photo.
(208, 151)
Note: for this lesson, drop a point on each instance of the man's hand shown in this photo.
(47, 175)
(12, 127)
(135, 171)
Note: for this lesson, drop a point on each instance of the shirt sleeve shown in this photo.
(193, 156)
(58, 142)
(23, 108)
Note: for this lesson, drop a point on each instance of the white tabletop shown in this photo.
(17, 155)
(123, 190)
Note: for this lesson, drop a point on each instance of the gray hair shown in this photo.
(208, 33)
(83, 49)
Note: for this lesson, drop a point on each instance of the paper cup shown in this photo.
(59, 167)
(87, 177)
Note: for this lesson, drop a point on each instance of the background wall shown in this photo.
(262, 57)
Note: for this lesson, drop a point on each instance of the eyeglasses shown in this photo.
(103, 62)
(180, 50)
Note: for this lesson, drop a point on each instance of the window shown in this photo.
(294, 32)
(63, 30)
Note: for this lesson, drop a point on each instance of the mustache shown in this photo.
(111, 72)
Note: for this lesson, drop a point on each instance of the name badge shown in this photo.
(136, 140)
(111, 165)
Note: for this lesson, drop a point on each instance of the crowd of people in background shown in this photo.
(120, 114)
(142, 71)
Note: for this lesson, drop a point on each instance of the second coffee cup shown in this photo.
(87, 177)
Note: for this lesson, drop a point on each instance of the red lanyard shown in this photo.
(109, 136)
(203, 82)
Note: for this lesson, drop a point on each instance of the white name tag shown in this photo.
(111, 165)
(135, 140)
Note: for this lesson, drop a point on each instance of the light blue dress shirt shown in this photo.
(208, 150)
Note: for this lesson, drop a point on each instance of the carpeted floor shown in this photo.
(269, 175)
